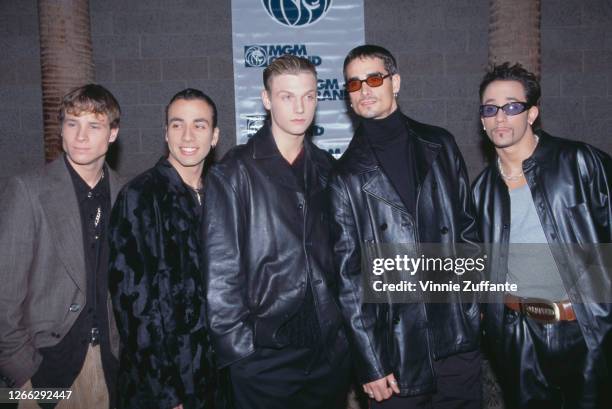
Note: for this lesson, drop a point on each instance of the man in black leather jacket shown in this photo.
(267, 257)
(551, 340)
(401, 181)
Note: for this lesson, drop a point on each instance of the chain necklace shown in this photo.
(512, 178)
(98, 216)
(99, 209)
(198, 193)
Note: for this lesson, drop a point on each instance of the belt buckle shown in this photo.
(541, 310)
(95, 336)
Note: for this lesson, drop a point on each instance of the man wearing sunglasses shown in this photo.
(401, 181)
(544, 205)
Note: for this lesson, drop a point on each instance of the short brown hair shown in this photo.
(287, 64)
(91, 98)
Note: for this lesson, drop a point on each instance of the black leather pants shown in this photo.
(548, 366)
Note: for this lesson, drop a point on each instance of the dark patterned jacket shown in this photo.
(157, 294)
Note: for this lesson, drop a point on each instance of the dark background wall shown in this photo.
(147, 50)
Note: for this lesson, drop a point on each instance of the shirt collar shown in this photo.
(82, 189)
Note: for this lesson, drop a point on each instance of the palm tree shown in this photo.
(66, 60)
(514, 33)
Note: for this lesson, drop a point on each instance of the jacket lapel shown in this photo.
(317, 169)
(59, 203)
(270, 159)
(115, 184)
(425, 153)
(381, 188)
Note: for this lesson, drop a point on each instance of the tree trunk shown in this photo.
(514, 33)
(66, 60)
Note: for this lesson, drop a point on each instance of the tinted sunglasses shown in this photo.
(373, 80)
(510, 109)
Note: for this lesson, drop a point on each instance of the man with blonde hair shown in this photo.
(56, 323)
(267, 261)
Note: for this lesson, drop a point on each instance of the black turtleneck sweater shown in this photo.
(394, 150)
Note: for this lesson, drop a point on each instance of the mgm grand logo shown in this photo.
(255, 121)
(297, 13)
(263, 55)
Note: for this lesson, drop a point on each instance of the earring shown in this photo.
(395, 94)
(484, 128)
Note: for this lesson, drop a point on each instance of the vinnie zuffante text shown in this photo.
(411, 266)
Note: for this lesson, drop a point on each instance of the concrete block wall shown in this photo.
(441, 48)
(21, 144)
(577, 70)
(147, 50)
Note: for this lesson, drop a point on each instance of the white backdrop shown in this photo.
(321, 30)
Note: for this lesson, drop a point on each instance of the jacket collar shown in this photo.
(264, 146)
(59, 202)
(362, 158)
(544, 152)
(266, 153)
(165, 168)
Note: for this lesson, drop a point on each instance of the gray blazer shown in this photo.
(42, 268)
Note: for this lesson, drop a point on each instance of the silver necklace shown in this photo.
(512, 178)
(98, 216)
(99, 209)
(198, 193)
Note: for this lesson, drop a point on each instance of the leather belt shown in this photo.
(541, 310)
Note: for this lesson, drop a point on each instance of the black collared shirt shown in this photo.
(302, 329)
(62, 362)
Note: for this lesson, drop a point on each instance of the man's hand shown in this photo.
(178, 407)
(382, 388)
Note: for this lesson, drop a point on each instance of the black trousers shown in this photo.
(549, 366)
(458, 386)
(289, 378)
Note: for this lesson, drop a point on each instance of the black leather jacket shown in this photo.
(570, 183)
(262, 237)
(402, 339)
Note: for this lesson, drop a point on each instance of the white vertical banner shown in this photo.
(323, 31)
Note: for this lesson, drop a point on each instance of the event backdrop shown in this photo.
(322, 31)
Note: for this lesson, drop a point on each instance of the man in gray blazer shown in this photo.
(56, 323)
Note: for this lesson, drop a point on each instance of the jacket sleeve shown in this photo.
(141, 297)
(468, 230)
(599, 180)
(19, 359)
(361, 318)
(222, 236)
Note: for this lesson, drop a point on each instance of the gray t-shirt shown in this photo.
(531, 267)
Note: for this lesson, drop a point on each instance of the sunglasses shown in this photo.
(373, 80)
(510, 109)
